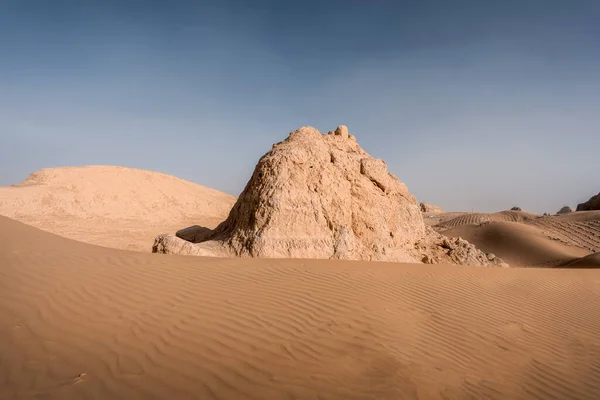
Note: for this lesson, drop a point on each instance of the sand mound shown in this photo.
(519, 244)
(322, 196)
(478, 218)
(427, 208)
(592, 204)
(80, 321)
(111, 206)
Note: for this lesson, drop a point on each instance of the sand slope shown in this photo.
(80, 321)
(528, 240)
(518, 244)
(580, 229)
(590, 261)
(112, 206)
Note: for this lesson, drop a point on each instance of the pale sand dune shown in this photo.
(519, 244)
(112, 206)
(81, 321)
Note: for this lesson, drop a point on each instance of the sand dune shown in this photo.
(519, 244)
(529, 240)
(112, 206)
(81, 321)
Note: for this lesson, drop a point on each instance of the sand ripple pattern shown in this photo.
(478, 218)
(84, 322)
(585, 234)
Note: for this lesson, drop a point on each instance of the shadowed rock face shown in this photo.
(592, 204)
(322, 196)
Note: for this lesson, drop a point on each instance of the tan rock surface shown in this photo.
(435, 248)
(322, 196)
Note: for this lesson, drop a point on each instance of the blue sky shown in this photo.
(475, 105)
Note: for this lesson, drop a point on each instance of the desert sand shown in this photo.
(81, 316)
(112, 206)
(528, 240)
(83, 321)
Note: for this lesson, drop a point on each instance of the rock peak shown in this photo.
(316, 196)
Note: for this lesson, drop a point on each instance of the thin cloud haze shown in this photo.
(475, 106)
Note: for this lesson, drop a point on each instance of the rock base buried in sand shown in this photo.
(322, 196)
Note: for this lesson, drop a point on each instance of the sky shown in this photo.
(475, 105)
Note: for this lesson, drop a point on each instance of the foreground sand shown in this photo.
(80, 321)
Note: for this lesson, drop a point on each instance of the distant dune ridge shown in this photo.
(80, 321)
(111, 206)
(478, 218)
(322, 196)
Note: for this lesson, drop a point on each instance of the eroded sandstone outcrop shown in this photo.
(322, 196)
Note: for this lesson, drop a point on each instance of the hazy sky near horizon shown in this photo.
(475, 105)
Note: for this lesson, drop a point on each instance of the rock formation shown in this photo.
(565, 210)
(516, 209)
(318, 196)
(592, 204)
(427, 208)
(435, 248)
(322, 196)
